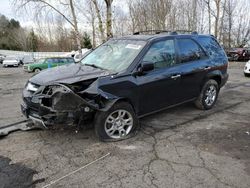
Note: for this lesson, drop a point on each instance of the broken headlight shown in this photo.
(32, 87)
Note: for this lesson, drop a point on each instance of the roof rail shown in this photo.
(151, 32)
(166, 31)
(187, 32)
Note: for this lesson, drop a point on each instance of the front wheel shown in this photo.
(208, 95)
(247, 74)
(118, 123)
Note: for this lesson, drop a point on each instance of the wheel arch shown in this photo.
(215, 75)
(128, 101)
(33, 69)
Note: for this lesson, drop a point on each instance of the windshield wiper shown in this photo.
(95, 66)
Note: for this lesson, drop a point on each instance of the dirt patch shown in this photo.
(16, 175)
(233, 141)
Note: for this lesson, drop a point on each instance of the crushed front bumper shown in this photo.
(30, 114)
(59, 106)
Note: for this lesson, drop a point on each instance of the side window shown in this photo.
(50, 61)
(162, 54)
(62, 61)
(189, 51)
(70, 60)
(212, 46)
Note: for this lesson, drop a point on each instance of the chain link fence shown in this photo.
(35, 55)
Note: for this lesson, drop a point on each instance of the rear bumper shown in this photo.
(10, 64)
(247, 69)
(224, 79)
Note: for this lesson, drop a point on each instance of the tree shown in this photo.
(33, 41)
(86, 41)
(90, 15)
(99, 17)
(75, 26)
(12, 35)
(217, 17)
(208, 2)
(109, 18)
(46, 5)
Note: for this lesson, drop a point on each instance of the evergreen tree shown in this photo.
(86, 41)
(33, 41)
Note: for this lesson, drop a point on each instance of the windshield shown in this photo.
(114, 55)
(40, 61)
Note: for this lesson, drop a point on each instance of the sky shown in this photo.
(7, 9)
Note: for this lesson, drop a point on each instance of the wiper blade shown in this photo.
(95, 66)
(92, 65)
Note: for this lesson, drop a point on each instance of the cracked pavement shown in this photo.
(179, 147)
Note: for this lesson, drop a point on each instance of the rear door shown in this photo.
(194, 64)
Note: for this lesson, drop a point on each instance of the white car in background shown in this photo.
(27, 59)
(11, 61)
(2, 57)
(247, 69)
(76, 55)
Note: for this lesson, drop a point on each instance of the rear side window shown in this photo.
(70, 60)
(55, 61)
(61, 60)
(189, 51)
(212, 46)
(50, 61)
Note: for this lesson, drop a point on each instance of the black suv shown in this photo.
(128, 78)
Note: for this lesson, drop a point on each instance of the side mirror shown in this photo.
(145, 67)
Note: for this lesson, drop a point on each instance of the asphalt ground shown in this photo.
(179, 147)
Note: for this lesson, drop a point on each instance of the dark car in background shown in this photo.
(128, 78)
(238, 54)
(45, 63)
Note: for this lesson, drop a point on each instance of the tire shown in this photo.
(208, 95)
(109, 128)
(247, 75)
(37, 70)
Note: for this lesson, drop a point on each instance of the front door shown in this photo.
(159, 88)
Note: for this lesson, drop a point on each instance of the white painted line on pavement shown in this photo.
(73, 172)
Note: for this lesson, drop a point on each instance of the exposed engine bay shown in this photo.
(66, 103)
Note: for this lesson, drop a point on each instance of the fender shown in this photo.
(214, 74)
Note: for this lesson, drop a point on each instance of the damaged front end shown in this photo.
(65, 104)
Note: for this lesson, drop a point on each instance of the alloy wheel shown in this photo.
(210, 95)
(118, 124)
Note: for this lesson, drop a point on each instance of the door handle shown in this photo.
(207, 68)
(176, 76)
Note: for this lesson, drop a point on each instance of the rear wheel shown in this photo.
(37, 70)
(208, 95)
(118, 123)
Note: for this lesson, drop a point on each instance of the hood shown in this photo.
(67, 74)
